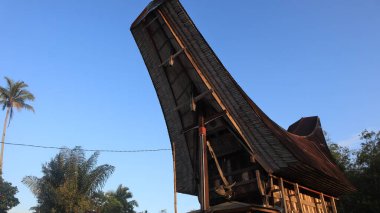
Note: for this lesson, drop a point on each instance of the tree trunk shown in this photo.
(3, 140)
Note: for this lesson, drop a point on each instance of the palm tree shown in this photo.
(69, 182)
(123, 195)
(14, 96)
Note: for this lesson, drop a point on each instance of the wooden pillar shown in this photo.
(204, 191)
(260, 186)
(283, 196)
(323, 203)
(297, 191)
(333, 205)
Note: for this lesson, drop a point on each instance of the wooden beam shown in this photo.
(172, 57)
(323, 203)
(333, 205)
(297, 190)
(283, 200)
(270, 188)
(205, 200)
(208, 120)
(196, 99)
(259, 183)
(214, 117)
(260, 186)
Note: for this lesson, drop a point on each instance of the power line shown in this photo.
(87, 150)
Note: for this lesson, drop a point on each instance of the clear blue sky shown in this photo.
(294, 58)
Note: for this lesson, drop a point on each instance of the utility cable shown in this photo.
(87, 150)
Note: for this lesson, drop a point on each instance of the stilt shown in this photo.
(205, 205)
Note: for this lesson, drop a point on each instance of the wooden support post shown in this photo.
(175, 180)
(204, 195)
(261, 188)
(323, 203)
(271, 186)
(283, 200)
(297, 191)
(333, 205)
(259, 183)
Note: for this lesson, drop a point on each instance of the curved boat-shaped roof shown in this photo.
(180, 61)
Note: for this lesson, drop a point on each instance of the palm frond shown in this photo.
(25, 95)
(92, 161)
(28, 107)
(15, 96)
(99, 176)
(33, 183)
(9, 81)
(4, 93)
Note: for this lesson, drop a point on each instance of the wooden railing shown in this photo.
(293, 198)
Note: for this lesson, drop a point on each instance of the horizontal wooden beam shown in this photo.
(196, 99)
(171, 57)
(207, 121)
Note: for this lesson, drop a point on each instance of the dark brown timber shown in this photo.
(205, 203)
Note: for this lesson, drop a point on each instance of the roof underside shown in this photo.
(165, 32)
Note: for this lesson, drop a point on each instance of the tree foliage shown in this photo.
(69, 180)
(15, 96)
(7, 196)
(362, 167)
(342, 156)
(118, 201)
(112, 205)
(123, 195)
